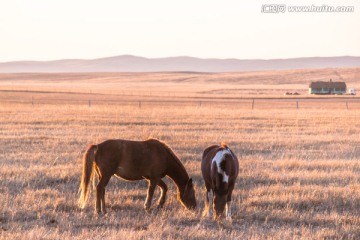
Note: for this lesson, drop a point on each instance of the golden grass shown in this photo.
(180, 85)
(299, 168)
(299, 172)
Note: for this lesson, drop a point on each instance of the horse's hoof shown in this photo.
(100, 212)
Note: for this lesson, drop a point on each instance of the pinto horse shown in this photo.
(135, 160)
(220, 168)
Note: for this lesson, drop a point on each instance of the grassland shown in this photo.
(299, 168)
(183, 85)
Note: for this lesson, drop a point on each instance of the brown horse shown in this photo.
(220, 168)
(135, 160)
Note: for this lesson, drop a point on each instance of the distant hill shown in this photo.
(128, 63)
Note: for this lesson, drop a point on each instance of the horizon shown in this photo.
(46, 31)
(169, 57)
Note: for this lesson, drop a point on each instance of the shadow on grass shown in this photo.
(126, 208)
(250, 182)
(283, 221)
(76, 228)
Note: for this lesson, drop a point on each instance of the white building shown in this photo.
(352, 91)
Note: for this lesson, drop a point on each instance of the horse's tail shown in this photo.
(87, 174)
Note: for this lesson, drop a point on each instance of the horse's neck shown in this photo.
(177, 173)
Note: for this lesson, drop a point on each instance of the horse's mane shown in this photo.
(224, 145)
(171, 152)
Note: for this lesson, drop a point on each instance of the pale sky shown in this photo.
(68, 29)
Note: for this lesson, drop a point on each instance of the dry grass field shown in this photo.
(299, 168)
(183, 85)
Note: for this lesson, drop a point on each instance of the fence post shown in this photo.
(139, 104)
(347, 107)
(200, 104)
(297, 104)
(32, 100)
(253, 103)
(89, 103)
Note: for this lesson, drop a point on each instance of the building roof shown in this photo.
(321, 84)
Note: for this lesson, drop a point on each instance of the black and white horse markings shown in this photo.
(220, 168)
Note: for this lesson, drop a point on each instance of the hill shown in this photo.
(129, 63)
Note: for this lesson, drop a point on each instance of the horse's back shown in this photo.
(209, 150)
(235, 162)
(131, 160)
(206, 162)
(122, 146)
(208, 159)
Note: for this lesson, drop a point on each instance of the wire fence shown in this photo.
(248, 103)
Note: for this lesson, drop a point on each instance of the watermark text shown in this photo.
(283, 8)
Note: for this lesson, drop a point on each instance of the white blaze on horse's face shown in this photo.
(219, 157)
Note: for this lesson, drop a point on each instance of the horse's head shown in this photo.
(220, 199)
(187, 195)
(220, 174)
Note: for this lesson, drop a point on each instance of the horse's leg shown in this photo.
(208, 201)
(206, 208)
(162, 198)
(228, 202)
(150, 192)
(100, 194)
